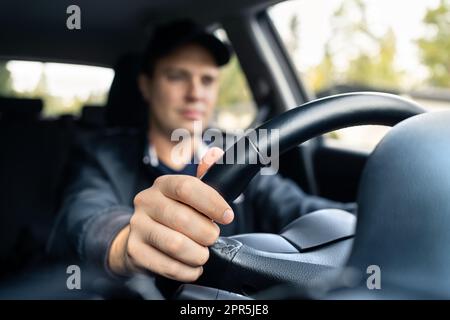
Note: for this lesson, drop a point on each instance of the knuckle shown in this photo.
(142, 198)
(182, 189)
(181, 220)
(138, 199)
(134, 221)
(175, 245)
(159, 181)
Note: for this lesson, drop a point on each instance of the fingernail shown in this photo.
(228, 216)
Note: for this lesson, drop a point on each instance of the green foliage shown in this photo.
(375, 67)
(323, 74)
(5, 81)
(352, 36)
(376, 70)
(435, 48)
(233, 86)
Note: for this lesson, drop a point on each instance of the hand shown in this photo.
(172, 226)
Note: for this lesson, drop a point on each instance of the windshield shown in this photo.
(369, 45)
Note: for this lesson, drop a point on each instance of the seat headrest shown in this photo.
(92, 116)
(126, 106)
(18, 110)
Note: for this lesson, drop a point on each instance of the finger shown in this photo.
(147, 257)
(186, 220)
(211, 156)
(197, 194)
(175, 244)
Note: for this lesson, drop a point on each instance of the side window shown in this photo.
(63, 88)
(235, 107)
(362, 45)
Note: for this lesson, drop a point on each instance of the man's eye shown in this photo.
(208, 81)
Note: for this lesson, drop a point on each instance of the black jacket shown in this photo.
(108, 171)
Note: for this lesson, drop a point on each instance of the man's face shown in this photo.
(182, 89)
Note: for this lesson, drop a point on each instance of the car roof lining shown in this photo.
(37, 29)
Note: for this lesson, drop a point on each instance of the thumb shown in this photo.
(211, 156)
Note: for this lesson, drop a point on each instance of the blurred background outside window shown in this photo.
(399, 47)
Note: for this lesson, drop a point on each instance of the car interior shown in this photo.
(310, 257)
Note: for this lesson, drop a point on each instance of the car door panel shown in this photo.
(337, 172)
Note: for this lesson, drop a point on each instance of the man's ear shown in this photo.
(144, 86)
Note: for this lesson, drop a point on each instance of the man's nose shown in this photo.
(195, 90)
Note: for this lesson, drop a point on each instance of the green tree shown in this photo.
(233, 85)
(322, 75)
(352, 36)
(6, 88)
(376, 70)
(435, 48)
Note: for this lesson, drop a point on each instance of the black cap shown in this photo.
(168, 37)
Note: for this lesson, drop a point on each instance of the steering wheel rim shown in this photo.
(301, 124)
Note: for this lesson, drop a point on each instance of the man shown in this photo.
(131, 206)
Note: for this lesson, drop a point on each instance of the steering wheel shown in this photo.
(311, 245)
